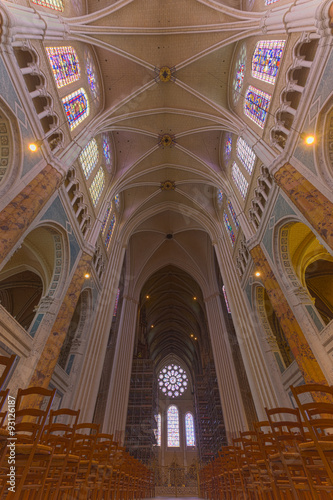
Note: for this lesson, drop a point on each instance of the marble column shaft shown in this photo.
(49, 357)
(16, 217)
(308, 365)
(314, 206)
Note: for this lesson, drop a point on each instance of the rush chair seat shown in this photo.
(267, 445)
(32, 459)
(315, 402)
(84, 443)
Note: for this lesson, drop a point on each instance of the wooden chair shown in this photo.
(64, 465)
(84, 443)
(317, 452)
(287, 464)
(32, 459)
(6, 364)
(267, 446)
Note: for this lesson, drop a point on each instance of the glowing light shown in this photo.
(33, 147)
(87, 275)
(258, 273)
(309, 139)
(147, 297)
(194, 298)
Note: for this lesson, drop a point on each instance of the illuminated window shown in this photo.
(227, 148)
(233, 214)
(110, 231)
(240, 73)
(116, 303)
(76, 107)
(229, 228)
(226, 299)
(256, 104)
(173, 426)
(117, 201)
(50, 4)
(245, 154)
(219, 196)
(172, 381)
(266, 59)
(158, 430)
(106, 150)
(90, 67)
(239, 180)
(64, 64)
(89, 158)
(268, 2)
(189, 428)
(97, 186)
(106, 216)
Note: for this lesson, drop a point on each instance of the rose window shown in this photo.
(172, 381)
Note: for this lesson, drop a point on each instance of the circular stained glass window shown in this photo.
(172, 381)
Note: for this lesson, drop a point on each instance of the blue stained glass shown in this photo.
(76, 107)
(117, 201)
(90, 67)
(189, 427)
(266, 59)
(158, 432)
(219, 196)
(173, 426)
(233, 214)
(106, 150)
(116, 303)
(256, 104)
(229, 228)
(226, 299)
(239, 77)
(245, 154)
(227, 148)
(110, 231)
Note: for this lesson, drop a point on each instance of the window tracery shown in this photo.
(65, 65)
(89, 158)
(97, 186)
(233, 214)
(266, 60)
(173, 426)
(239, 180)
(172, 380)
(189, 429)
(256, 104)
(76, 107)
(245, 154)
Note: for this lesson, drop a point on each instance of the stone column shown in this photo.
(303, 354)
(116, 408)
(17, 216)
(49, 356)
(231, 399)
(314, 206)
(262, 373)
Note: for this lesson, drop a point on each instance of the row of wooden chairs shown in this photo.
(47, 454)
(288, 456)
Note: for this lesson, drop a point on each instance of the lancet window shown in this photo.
(173, 426)
(76, 107)
(97, 186)
(189, 429)
(229, 229)
(266, 59)
(65, 65)
(256, 104)
(110, 231)
(239, 180)
(89, 158)
(245, 154)
(233, 214)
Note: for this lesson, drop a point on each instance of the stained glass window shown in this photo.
(173, 426)
(229, 228)
(117, 201)
(106, 150)
(90, 67)
(266, 59)
(189, 428)
(89, 158)
(245, 154)
(65, 65)
(172, 381)
(50, 4)
(158, 430)
(76, 107)
(256, 104)
(116, 303)
(219, 196)
(239, 180)
(239, 75)
(227, 148)
(97, 186)
(106, 216)
(233, 214)
(268, 2)
(109, 233)
(226, 299)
